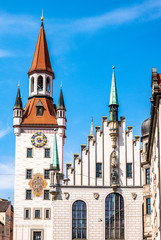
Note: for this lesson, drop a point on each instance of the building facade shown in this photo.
(152, 164)
(6, 220)
(101, 196)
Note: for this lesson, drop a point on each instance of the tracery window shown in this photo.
(79, 220)
(114, 216)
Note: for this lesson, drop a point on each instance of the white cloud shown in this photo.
(5, 53)
(6, 176)
(5, 131)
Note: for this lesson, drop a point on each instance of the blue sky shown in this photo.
(85, 39)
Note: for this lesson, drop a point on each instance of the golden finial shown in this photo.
(42, 18)
(18, 85)
(113, 67)
(61, 84)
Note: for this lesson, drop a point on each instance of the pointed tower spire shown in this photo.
(55, 159)
(41, 59)
(61, 104)
(18, 102)
(92, 129)
(113, 104)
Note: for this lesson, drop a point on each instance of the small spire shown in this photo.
(113, 95)
(55, 158)
(92, 128)
(61, 104)
(18, 102)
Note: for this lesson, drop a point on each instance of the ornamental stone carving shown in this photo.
(134, 195)
(96, 195)
(66, 195)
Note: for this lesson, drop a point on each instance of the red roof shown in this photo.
(48, 117)
(41, 59)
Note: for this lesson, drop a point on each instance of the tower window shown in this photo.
(39, 109)
(37, 214)
(47, 152)
(98, 170)
(28, 195)
(148, 206)
(129, 170)
(40, 83)
(48, 84)
(46, 194)
(148, 176)
(32, 84)
(46, 174)
(29, 152)
(47, 214)
(29, 173)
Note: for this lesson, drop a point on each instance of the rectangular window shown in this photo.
(46, 174)
(27, 213)
(98, 170)
(129, 170)
(146, 147)
(37, 213)
(47, 152)
(29, 173)
(148, 206)
(46, 194)
(7, 231)
(148, 176)
(28, 194)
(47, 213)
(29, 152)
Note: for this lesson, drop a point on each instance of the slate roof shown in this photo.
(4, 206)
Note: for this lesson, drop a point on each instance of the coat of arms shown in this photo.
(37, 184)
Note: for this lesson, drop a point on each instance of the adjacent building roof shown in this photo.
(145, 127)
(113, 95)
(18, 102)
(41, 59)
(4, 205)
(48, 117)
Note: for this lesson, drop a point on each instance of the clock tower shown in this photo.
(39, 128)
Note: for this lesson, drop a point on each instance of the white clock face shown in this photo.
(38, 140)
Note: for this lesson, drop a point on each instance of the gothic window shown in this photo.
(98, 170)
(60, 113)
(40, 83)
(32, 84)
(129, 170)
(114, 216)
(79, 220)
(148, 206)
(48, 84)
(148, 176)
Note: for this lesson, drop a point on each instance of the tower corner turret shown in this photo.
(17, 113)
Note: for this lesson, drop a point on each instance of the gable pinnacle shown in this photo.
(113, 94)
(92, 129)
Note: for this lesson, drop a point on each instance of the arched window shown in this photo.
(48, 84)
(40, 83)
(32, 84)
(114, 216)
(79, 220)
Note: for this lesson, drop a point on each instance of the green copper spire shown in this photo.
(114, 104)
(113, 95)
(55, 159)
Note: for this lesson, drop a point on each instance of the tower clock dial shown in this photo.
(38, 140)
